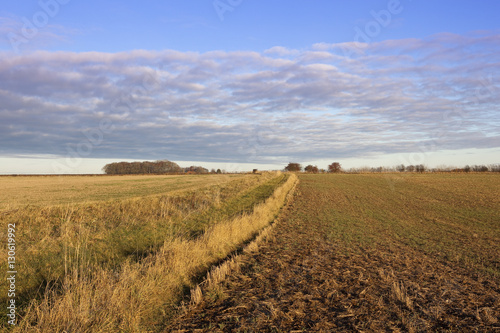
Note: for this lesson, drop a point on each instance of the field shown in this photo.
(123, 262)
(350, 252)
(374, 252)
(19, 191)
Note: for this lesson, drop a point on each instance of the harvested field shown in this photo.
(124, 265)
(19, 191)
(402, 253)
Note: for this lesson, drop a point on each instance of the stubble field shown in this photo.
(19, 191)
(351, 252)
(119, 253)
(369, 253)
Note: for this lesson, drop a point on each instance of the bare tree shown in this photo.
(480, 168)
(420, 168)
(335, 167)
(494, 167)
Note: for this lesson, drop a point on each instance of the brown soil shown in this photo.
(301, 280)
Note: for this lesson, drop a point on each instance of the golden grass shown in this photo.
(52, 240)
(138, 295)
(19, 191)
(218, 273)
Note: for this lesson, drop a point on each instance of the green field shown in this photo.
(454, 217)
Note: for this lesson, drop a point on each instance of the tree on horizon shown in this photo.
(311, 168)
(293, 167)
(335, 167)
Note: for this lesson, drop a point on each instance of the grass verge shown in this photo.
(143, 294)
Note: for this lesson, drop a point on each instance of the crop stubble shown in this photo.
(369, 253)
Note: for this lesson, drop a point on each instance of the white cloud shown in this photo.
(281, 51)
(278, 105)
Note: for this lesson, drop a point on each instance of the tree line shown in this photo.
(168, 167)
(148, 167)
(335, 167)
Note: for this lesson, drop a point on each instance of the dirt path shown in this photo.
(302, 280)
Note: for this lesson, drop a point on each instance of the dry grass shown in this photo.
(56, 239)
(141, 295)
(219, 273)
(19, 191)
(400, 293)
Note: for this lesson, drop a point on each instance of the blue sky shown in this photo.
(242, 84)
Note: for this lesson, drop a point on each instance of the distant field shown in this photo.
(455, 217)
(55, 190)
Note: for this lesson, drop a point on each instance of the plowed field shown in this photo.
(410, 253)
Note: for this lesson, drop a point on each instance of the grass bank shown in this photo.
(138, 288)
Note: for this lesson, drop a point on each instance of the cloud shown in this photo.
(270, 107)
(281, 51)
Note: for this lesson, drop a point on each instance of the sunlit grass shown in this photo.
(19, 191)
(140, 247)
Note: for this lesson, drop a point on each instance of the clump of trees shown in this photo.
(494, 168)
(292, 167)
(195, 169)
(296, 167)
(411, 168)
(146, 167)
(311, 168)
(467, 168)
(335, 167)
(422, 168)
(479, 168)
(475, 168)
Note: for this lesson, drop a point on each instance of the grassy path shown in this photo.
(333, 265)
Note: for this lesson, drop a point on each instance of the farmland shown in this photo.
(123, 262)
(59, 190)
(371, 252)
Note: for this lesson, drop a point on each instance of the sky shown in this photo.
(240, 84)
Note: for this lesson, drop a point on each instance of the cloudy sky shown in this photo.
(238, 84)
